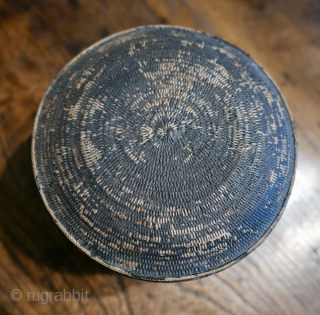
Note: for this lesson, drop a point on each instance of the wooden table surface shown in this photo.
(37, 38)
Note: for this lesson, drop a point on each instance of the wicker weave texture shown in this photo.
(164, 153)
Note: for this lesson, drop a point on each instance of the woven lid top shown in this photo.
(164, 153)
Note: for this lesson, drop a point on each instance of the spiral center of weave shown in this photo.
(167, 131)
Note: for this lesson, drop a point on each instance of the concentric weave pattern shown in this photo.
(164, 153)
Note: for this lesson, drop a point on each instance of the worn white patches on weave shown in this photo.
(146, 133)
(178, 34)
(126, 190)
(224, 51)
(104, 234)
(273, 177)
(74, 111)
(254, 116)
(218, 76)
(247, 81)
(80, 82)
(213, 61)
(86, 74)
(86, 219)
(185, 42)
(71, 77)
(134, 155)
(208, 244)
(58, 199)
(94, 78)
(239, 130)
(200, 45)
(191, 111)
(95, 105)
(188, 159)
(133, 49)
(267, 94)
(91, 153)
(281, 110)
(76, 158)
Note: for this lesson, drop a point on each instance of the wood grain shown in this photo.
(37, 38)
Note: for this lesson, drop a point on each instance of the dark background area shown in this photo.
(37, 38)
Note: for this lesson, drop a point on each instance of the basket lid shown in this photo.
(164, 153)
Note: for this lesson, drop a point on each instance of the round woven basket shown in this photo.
(164, 153)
